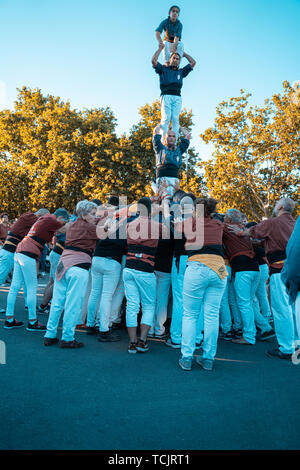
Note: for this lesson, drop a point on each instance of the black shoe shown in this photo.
(70, 344)
(227, 336)
(92, 330)
(116, 326)
(9, 325)
(164, 336)
(108, 336)
(142, 346)
(266, 335)
(237, 333)
(277, 353)
(36, 326)
(50, 341)
(43, 309)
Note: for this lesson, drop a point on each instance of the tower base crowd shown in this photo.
(218, 276)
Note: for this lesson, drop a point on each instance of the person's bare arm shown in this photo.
(156, 55)
(190, 59)
(158, 37)
(186, 133)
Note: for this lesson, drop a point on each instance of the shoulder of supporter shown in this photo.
(263, 229)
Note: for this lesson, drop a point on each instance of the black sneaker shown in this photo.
(266, 335)
(43, 309)
(237, 333)
(70, 344)
(108, 337)
(92, 330)
(9, 325)
(163, 336)
(142, 346)
(277, 353)
(50, 341)
(37, 326)
(227, 336)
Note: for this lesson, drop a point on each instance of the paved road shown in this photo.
(100, 397)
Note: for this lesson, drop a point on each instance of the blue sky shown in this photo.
(98, 53)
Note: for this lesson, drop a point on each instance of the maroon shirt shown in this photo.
(40, 233)
(143, 234)
(3, 232)
(81, 234)
(275, 232)
(23, 224)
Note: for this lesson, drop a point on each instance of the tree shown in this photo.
(257, 154)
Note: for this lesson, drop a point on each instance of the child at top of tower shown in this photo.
(173, 31)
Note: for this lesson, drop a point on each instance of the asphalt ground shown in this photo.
(101, 398)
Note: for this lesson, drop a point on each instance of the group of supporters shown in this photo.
(212, 269)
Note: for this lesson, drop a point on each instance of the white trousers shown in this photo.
(6, 264)
(163, 284)
(140, 288)
(25, 274)
(168, 50)
(282, 314)
(68, 294)
(105, 278)
(170, 111)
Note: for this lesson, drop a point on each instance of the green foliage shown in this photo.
(257, 154)
(52, 155)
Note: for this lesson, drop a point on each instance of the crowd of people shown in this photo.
(211, 271)
(187, 274)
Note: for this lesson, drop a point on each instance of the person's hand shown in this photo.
(156, 129)
(234, 229)
(185, 132)
(161, 45)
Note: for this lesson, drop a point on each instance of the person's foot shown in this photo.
(81, 327)
(92, 330)
(43, 309)
(151, 335)
(108, 337)
(170, 343)
(237, 333)
(206, 364)
(241, 340)
(277, 353)
(227, 336)
(2, 310)
(50, 341)
(116, 326)
(185, 363)
(9, 325)
(163, 336)
(266, 335)
(132, 348)
(36, 326)
(70, 344)
(142, 346)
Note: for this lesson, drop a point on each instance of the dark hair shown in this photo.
(97, 201)
(113, 201)
(250, 224)
(209, 204)
(218, 216)
(179, 193)
(145, 201)
(174, 6)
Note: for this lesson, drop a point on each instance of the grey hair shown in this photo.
(286, 203)
(234, 214)
(42, 211)
(61, 212)
(85, 207)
